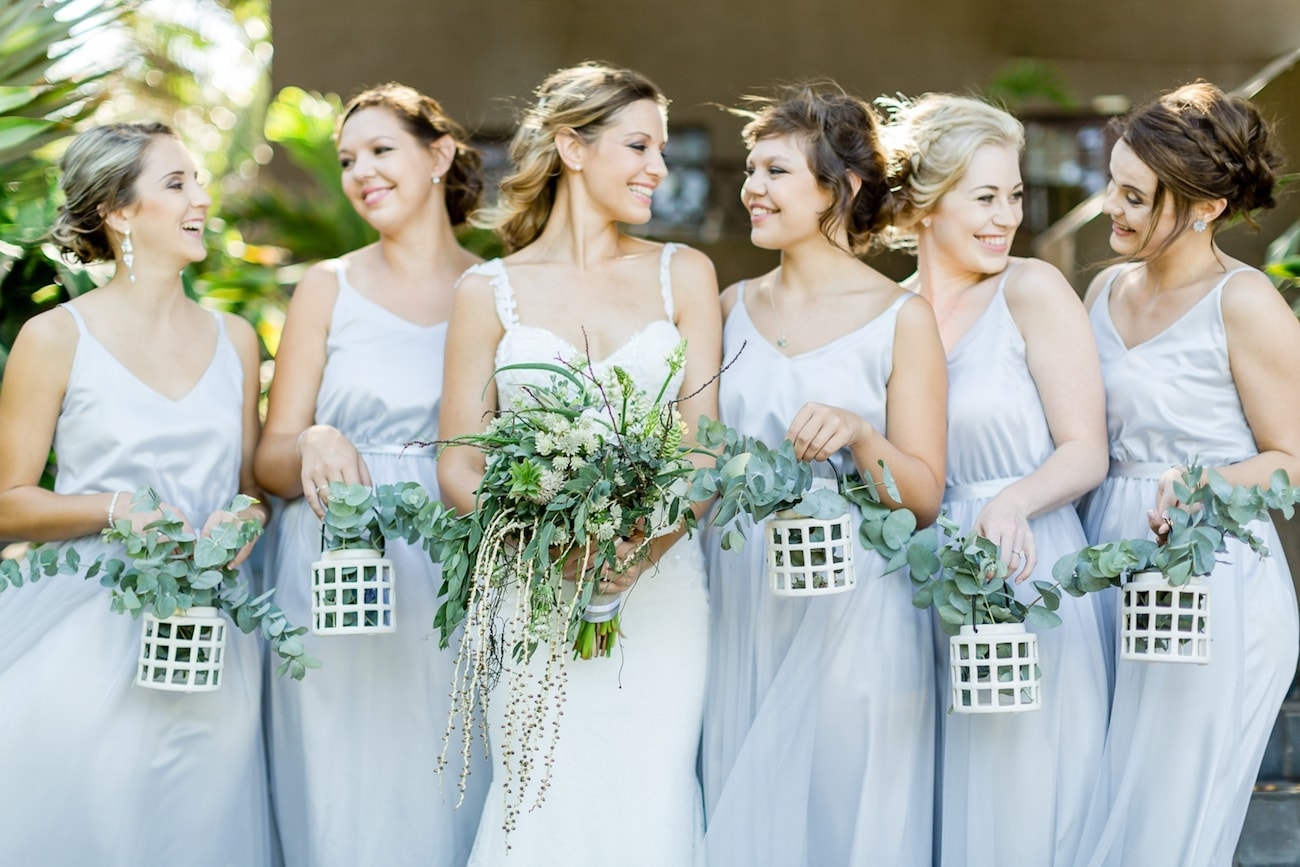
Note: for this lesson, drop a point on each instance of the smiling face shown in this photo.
(1130, 197)
(170, 208)
(623, 165)
(781, 193)
(387, 171)
(974, 223)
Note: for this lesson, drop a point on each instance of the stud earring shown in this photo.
(128, 254)
(1198, 226)
(925, 221)
(436, 179)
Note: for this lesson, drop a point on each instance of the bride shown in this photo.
(588, 156)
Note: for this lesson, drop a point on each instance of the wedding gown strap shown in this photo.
(502, 293)
(665, 278)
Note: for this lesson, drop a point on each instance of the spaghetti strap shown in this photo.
(76, 317)
(665, 277)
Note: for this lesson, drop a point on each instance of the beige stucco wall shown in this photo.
(480, 57)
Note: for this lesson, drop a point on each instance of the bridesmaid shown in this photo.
(1026, 438)
(132, 384)
(354, 746)
(819, 725)
(1199, 354)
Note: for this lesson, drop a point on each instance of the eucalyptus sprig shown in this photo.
(357, 516)
(752, 478)
(963, 577)
(169, 568)
(1212, 511)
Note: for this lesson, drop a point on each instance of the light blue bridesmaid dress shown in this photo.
(95, 770)
(819, 724)
(1186, 741)
(354, 745)
(1014, 788)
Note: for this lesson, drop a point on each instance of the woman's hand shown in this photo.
(1005, 522)
(328, 456)
(612, 579)
(1166, 499)
(819, 431)
(257, 512)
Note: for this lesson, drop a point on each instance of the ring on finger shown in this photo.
(1020, 554)
(324, 487)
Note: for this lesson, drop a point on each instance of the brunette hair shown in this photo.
(584, 99)
(1203, 144)
(839, 136)
(99, 171)
(424, 118)
(931, 144)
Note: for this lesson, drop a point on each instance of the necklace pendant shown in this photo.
(781, 342)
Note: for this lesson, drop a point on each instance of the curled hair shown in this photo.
(423, 117)
(584, 99)
(839, 136)
(931, 143)
(98, 175)
(1203, 145)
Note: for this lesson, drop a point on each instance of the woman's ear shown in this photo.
(1209, 210)
(571, 148)
(855, 184)
(443, 152)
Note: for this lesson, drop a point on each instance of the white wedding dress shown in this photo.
(624, 788)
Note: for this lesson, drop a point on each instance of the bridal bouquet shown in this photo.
(582, 471)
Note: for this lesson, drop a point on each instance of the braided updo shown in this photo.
(839, 136)
(99, 171)
(1203, 145)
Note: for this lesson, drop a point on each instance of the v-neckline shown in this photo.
(1110, 319)
(216, 350)
(744, 305)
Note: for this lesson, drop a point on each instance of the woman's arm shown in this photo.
(295, 456)
(1062, 357)
(244, 339)
(1264, 353)
(469, 394)
(914, 444)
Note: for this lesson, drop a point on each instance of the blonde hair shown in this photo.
(931, 143)
(423, 117)
(99, 171)
(583, 98)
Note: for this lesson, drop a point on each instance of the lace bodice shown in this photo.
(643, 356)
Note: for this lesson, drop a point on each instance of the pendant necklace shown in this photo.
(783, 336)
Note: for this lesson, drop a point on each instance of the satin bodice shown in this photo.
(997, 427)
(763, 389)
(382, 381)
(1196, 416)
(115, 433)
(644, 356)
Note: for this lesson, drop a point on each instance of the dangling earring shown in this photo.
(1198, 227)
(436, 179)
(128, 254)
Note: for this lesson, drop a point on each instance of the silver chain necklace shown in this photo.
(783, 336)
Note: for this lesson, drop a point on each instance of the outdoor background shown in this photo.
(252, 87)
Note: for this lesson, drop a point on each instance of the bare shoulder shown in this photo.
(694, 269)
(916, 314)
(241, 333)
(319, 286)
(1103, 279)
(1032, 280)
(53, 331)
(1249, 301)
(729, 297)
